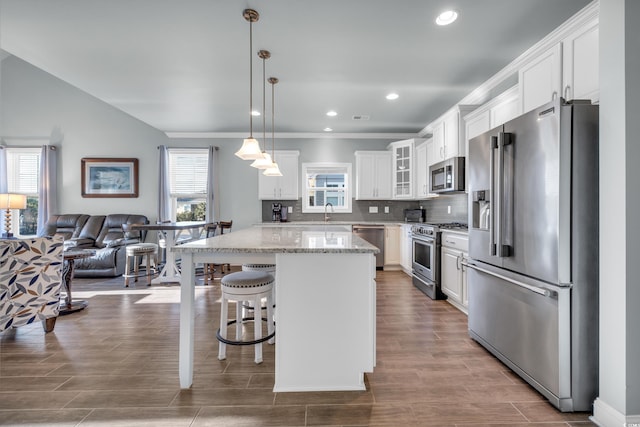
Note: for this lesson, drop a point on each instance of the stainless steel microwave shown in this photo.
(447, 176)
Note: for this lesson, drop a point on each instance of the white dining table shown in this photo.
(172, 230)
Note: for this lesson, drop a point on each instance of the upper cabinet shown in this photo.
(283, 187)
(540, 79)
(568, 69)
(403, 168)
(373, 175)
(424, 158)
(448, 133)
(580, 55)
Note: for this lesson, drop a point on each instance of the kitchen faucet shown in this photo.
(326, 214)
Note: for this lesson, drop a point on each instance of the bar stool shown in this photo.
(246, 287)
(134, 253)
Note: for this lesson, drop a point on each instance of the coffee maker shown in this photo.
(276, 212)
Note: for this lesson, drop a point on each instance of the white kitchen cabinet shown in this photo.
(580, 56)
(506, 107)
(406, 249)
(568, 69)
(392, 246)
(422, 172)
(403, 168)
(453, 274)
(437, 146)
(283, 187)
(449, 133)
(540, 80)
(373, 175)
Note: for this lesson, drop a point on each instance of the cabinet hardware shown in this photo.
(566, 92)
(554, 95)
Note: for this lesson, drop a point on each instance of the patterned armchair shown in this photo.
(30, 280)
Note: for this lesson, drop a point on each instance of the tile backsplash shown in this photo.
(436, 210)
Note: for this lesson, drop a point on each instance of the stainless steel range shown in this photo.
(426, 257)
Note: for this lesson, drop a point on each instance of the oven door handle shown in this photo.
(537, 290)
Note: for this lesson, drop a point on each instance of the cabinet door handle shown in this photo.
(458, 261)
(566, 92)
(554, 95)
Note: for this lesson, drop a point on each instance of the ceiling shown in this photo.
(183, 65)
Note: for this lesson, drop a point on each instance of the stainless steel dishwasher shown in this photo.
(373, 234)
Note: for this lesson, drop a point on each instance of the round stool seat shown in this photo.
(269, 268)
(247, 282)
(138, 249)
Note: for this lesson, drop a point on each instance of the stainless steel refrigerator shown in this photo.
(533, 249)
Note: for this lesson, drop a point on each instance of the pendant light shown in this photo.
(250, 149)
(273, 170)
(265, 161)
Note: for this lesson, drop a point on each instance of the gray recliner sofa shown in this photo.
(104, 234)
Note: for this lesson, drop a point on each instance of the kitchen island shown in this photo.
(325, 302)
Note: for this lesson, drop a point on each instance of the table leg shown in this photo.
(170, 272)
(68, 305)
(187, 321)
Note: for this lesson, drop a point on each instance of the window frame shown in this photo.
(13, 176)
(198, 197)
(327, 168)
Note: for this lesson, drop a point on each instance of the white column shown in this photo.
(618, 403)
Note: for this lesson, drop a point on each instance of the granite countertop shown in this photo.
(282, 239)
(330, 223)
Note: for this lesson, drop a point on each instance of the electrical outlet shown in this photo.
(373, 209)
(386, 209)
(448, 209)
(290, 209)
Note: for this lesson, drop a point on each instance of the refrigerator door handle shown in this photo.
(503, 250)
(537, 290)
(492, 196)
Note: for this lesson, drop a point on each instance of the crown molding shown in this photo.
(291, 135)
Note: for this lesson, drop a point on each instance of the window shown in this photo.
(188, 183)
(23, 172)
(326, 183)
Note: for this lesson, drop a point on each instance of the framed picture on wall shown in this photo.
(109, 177)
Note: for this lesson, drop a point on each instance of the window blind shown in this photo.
(188, 171)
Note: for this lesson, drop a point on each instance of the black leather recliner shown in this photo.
(104, 234)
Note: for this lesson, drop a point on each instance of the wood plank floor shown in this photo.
(115, 364)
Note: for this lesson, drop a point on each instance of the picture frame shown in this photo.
(109, 177)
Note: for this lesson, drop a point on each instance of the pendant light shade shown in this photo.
(273, 169)
(250, 149)
(264, 161)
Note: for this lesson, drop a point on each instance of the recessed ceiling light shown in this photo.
(392, 96)
(331, 113)
(447, 17)
(255, 113)
(328, 129)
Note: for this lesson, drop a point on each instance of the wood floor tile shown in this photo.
(460, 413)
(251, 416)
(122, 398)
(543, 412)
(47, 417)
(148, 417)
(365, 415)
(36, 399)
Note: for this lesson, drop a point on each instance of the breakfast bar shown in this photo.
(325, 302)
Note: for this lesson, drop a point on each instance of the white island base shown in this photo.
(325, 303)
(325, 321)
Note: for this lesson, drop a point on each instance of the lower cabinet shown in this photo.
(453, 274)
(406, 249)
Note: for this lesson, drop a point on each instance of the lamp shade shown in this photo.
(250, 149)
(274, 170)
(264, 162)
(13, 201)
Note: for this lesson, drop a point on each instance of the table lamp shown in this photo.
(7, 202)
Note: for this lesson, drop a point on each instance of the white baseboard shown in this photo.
(605, 415)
